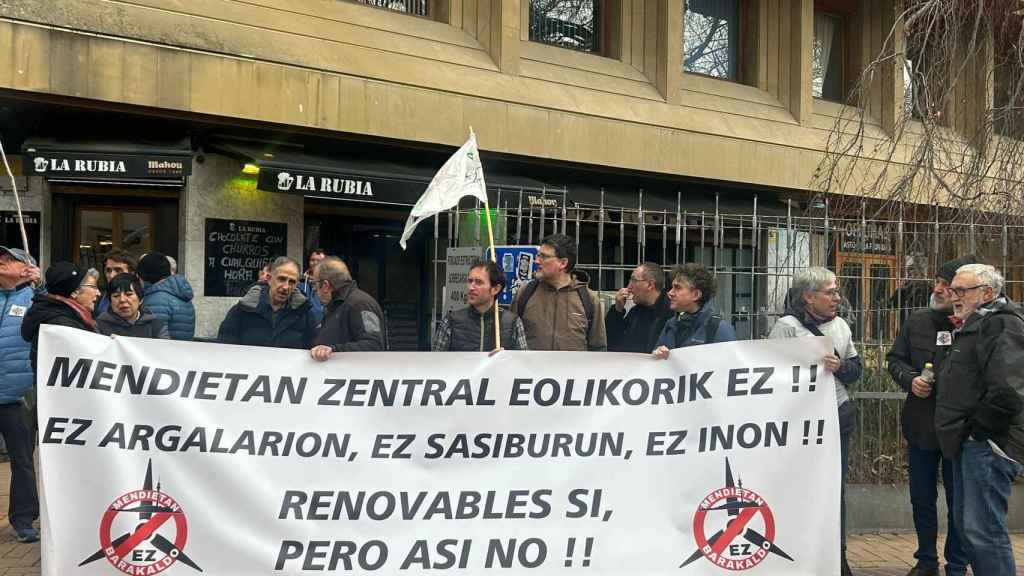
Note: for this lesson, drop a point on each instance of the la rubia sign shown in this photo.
(78, 166)
(338, 186)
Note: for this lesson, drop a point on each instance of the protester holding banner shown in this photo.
(925, 338)
(73, 293)
(558, 309)
(638, 329)
(979, 414)
(167, 296)
(811, 310)
(696, 321)
(471, 329)
(353, 320)
(16, 273)
(126, 317)
(115, 262)
(273, 314)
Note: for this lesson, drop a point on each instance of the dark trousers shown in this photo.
(24, 505)
(924, 479)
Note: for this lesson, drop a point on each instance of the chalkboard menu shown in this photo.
(236, 251)
(10, 231)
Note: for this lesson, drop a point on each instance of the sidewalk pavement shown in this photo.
(869, 554)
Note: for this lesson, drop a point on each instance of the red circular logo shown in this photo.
(748, 535)
(145, 547)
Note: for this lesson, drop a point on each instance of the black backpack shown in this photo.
(588, 304)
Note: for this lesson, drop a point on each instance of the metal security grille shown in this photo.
(574, 24)
(886, 266)
(414, 7)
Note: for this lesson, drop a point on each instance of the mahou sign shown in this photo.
(104, 167)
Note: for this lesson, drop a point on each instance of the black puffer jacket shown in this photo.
(48, 310)
(353, 322)
(638, 329)
(915, 346)
(982, 382)
(252, 322)
(147, 326)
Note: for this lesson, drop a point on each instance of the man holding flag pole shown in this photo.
(462, 175)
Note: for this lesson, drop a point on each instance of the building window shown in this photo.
(574, 24)
(827, 80)
(711, 37)
(414, 7)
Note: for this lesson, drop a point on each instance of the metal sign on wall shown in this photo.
(235, 252)
(339, 187)
(10, 233)
(108, 167)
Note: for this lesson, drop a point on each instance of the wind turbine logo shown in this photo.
(748, 534)
(145, 548)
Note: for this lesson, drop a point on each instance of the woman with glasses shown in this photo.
(70, 299)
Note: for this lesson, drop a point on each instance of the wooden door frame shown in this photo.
(115, 226)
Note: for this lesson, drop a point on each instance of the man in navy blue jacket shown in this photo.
(696, 321)
(17, 275)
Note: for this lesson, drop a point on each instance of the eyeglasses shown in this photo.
(961, 292)
(543, 256)
(832, 293)
(93, 286)
(637, 280)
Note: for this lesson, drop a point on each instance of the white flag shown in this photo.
(462, 175)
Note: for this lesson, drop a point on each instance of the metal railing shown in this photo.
(885, 269)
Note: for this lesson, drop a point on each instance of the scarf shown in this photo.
(84, 314)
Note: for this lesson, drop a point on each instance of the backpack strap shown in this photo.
(588, 306)
(527, 292)
(711, 328)
(584, 293)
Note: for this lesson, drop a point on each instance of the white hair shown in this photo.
(173, 263)
(987, 275)
(812, 279)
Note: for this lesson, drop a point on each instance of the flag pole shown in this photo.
(494, 258)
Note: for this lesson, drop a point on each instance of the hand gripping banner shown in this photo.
(186, 458)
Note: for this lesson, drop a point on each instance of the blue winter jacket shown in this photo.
(679, 333)
(170, 300)
(15, 366)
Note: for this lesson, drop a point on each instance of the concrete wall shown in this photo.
(217, 189)
(874, 508)
(343, 67)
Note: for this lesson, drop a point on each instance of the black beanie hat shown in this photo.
(153, 267)
(948, 269)
(63, 278)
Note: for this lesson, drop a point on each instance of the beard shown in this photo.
(935, 305)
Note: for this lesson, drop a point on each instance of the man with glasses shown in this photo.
(637, 329)
(811, 310)
(558, 309)
(925, 338)
(978, 414)
(353, 320)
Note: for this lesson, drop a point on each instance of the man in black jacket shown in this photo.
(978, 414)
(353, 321)
(273, 314)
(471, 329)
(638, 329)
(925, 337)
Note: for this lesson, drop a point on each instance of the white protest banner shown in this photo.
(160, 456)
